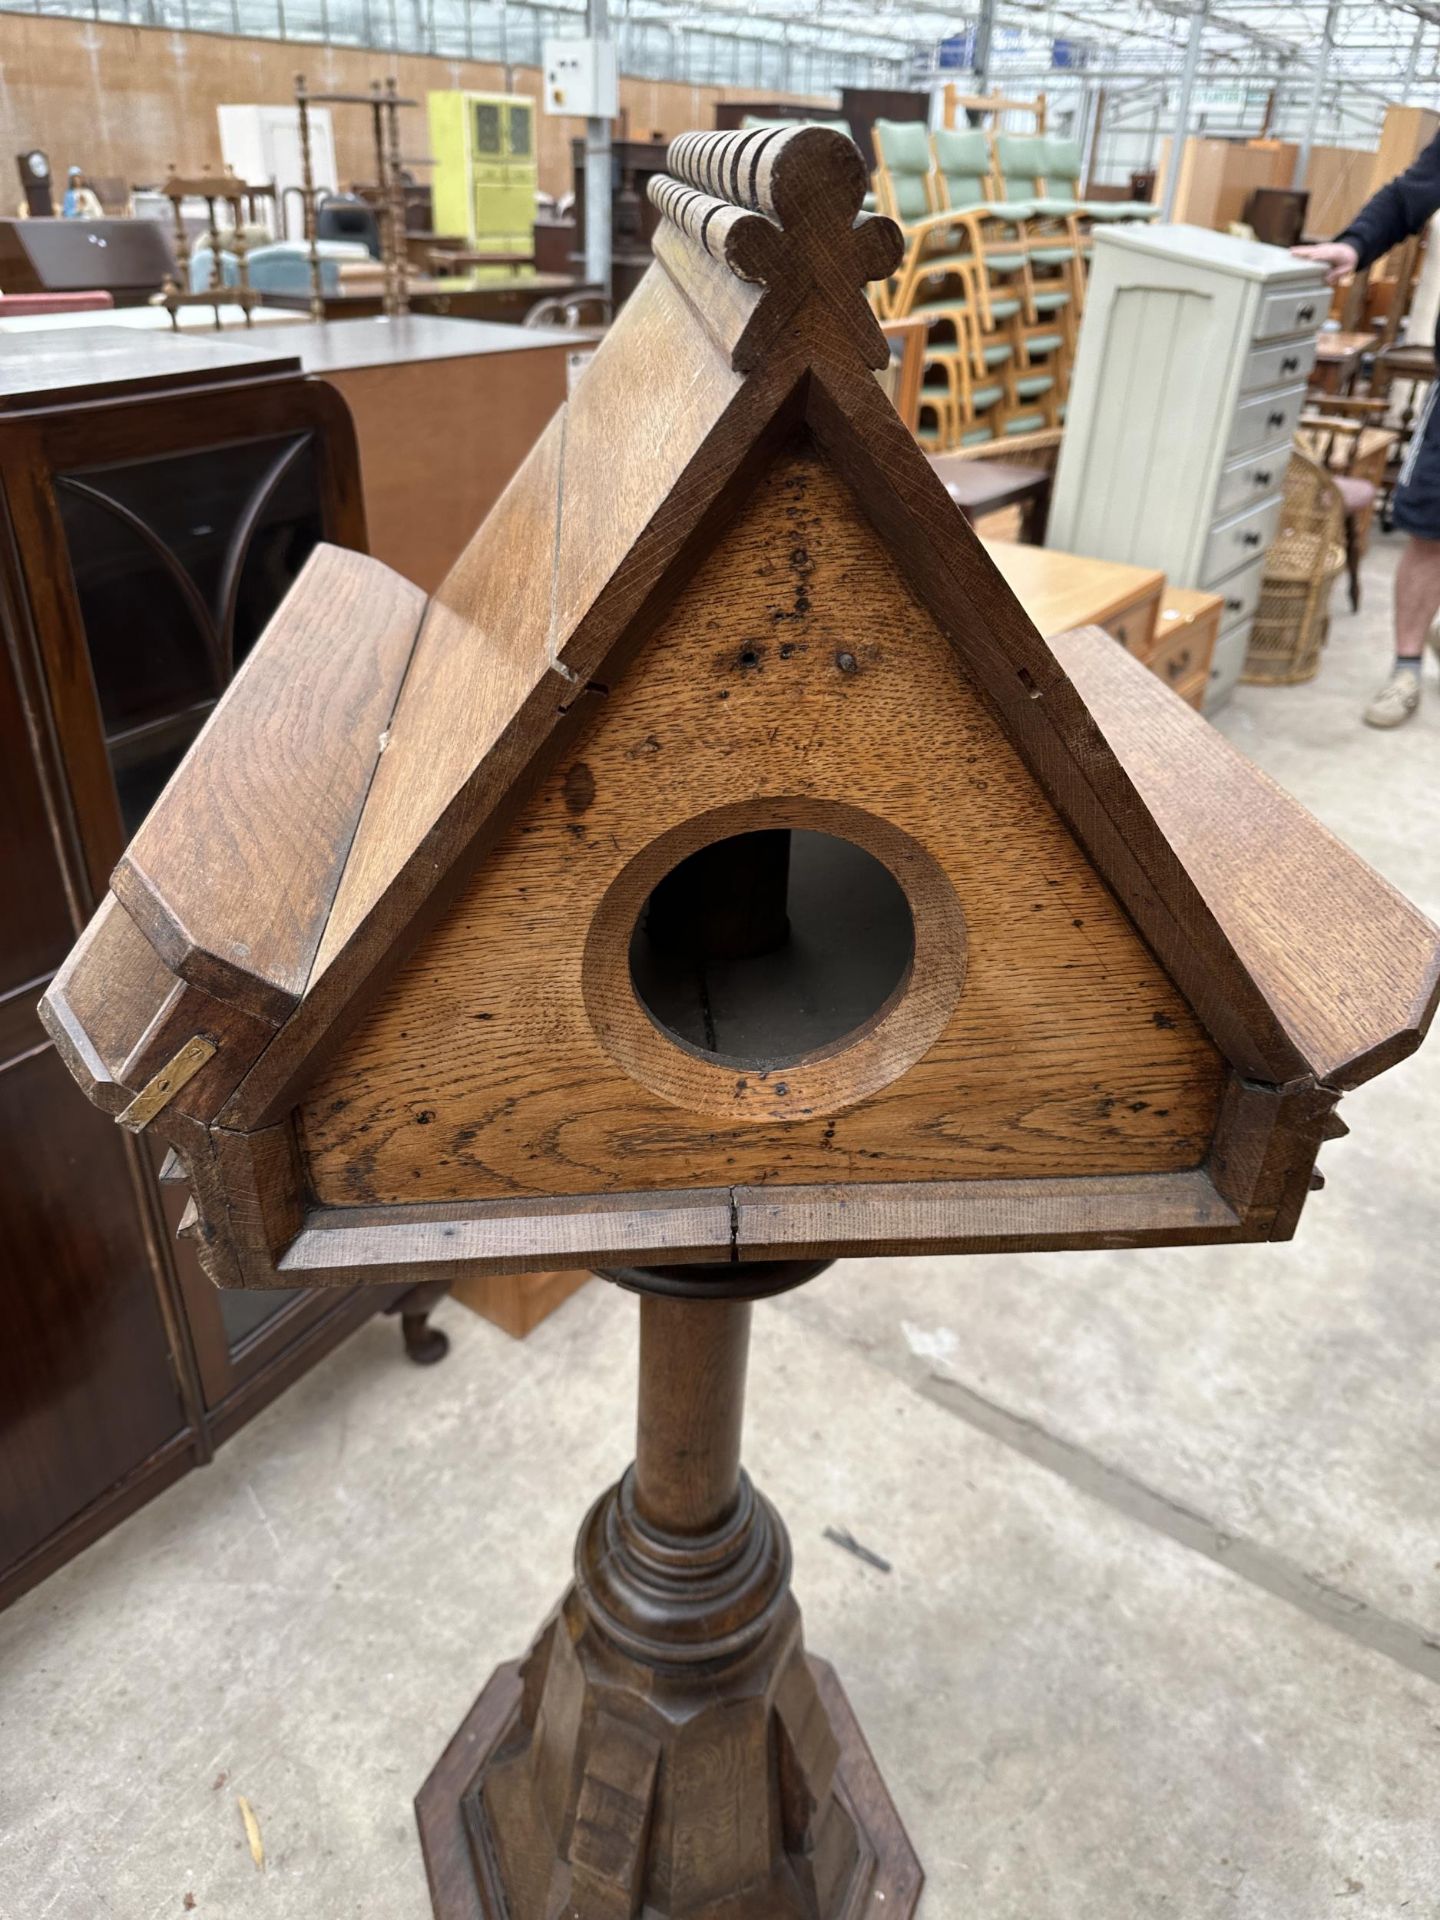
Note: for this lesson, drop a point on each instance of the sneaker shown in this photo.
(1396, 700)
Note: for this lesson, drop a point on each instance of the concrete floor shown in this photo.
(1162, 1630)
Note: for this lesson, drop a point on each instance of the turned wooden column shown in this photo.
(693, 1359)
(667, 1749)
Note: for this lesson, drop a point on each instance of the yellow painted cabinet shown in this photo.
(485, 175)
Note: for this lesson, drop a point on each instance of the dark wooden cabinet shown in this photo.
(128, 259)
(633, 164)
(157, 497)
(90, 1393)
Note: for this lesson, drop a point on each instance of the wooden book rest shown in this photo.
(717, 877)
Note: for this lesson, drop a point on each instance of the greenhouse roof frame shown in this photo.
(1381, 51)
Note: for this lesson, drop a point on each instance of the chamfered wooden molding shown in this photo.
(1350, 966)
(232, 874)
(389, 895)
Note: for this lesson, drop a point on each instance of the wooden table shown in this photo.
(462, 258)
(1337, 360)
(980, 487)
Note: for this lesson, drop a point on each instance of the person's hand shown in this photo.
(1338, 257)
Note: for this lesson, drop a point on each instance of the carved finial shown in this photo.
(778, 206)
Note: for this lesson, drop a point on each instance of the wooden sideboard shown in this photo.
(445, 410)
(128, 259)
(158, 494)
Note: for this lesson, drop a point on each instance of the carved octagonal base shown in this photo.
(463, 1860)
(666, 1751)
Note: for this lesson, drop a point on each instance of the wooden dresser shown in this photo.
(1189, 379)
(1064, 590)
(1186, 634)
(158, 494)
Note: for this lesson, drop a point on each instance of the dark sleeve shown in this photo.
(1397, 210)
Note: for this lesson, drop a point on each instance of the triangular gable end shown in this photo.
(796, 683)
(701, 431)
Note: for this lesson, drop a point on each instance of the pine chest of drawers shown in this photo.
(1189, 380)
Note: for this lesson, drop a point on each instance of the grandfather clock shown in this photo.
(718, 877)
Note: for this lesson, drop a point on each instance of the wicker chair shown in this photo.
(1347, 436)
(1305, 558)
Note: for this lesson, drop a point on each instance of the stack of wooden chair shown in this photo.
(996, 241)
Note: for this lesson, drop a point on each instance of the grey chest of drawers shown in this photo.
(1189, 380)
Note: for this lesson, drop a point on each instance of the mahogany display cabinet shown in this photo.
(718, 876)
(158, 496)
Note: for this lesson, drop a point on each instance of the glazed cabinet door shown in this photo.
(178, 556)
(178, 563)
(144, 545)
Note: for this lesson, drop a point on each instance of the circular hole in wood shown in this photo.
(767, 948)
(774, 959)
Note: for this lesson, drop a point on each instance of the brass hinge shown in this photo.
(161, 1088)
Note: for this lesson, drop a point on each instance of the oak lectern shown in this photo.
(717, 877)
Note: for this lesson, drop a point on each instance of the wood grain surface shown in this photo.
(1046, 719)
(111, 986)
(499, 607)
(338, 1244)
(779, 206)
(1351, 967)
(117, 1015)
(715, 602)
(797, 664)
(672, 1749)
(232, 875)
(1063, 590)
(510, 606)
